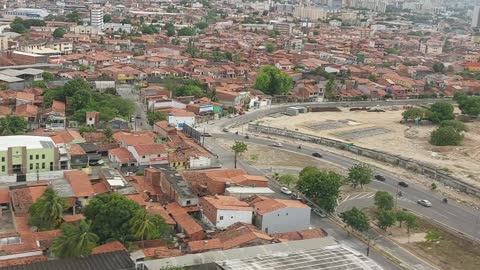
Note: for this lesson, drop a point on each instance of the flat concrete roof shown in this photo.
(31, 142)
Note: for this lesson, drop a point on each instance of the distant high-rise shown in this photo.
(476, 17)
(96, 17)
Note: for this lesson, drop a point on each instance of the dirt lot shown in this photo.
(383, 131)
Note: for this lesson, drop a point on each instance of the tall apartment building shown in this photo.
(476, 17)
(311, 13)
(96, 17)
(3, 43)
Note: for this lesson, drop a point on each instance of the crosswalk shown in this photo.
(366, 195)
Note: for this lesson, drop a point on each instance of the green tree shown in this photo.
(108, 134)
(47, 76)
(188, 90)
(154, 116)
(438, 67)
(457, 125)
(321, 185)
(469, 105)
(238, 148)
(77, 240)
(360, 174)
(288, 179)
(415, 113)
(201, 25)
(386, 218)
(355, 219)
(441, 111)
(107, 18)
(81, 99)
(146, 226)
(186, 31)
(372, 77)
(444, 136)
(411, 220)
(383, 200)
(270, 47)
(85, 129)
(47, 212)
(401, 216)
(110, 214)
(73, 16)
(432, 236)
(270, 80)
(59, 32)
(12, 125)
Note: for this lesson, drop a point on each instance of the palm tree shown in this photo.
(47, 211)
(238, 148)
(76, 240)
(142, 225)
(12, 125)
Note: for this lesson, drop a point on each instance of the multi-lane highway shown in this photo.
(452, 214)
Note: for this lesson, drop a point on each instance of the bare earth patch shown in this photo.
(383, 131)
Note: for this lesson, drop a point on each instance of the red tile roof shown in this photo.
(109, 247)
(27, 110)
(122, 154)
(149, 149)
(183, 219)
(80, 183)
(4, 195)
(204, 245)
(73, 218)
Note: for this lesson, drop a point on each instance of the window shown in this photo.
(3, 159)
(31, 166)
(51, 166)
(3, 168)
(43, 167)
(286, 214)
(158, 155)
(188, 202)
(231, 217)
(37, 166)
(43, 156)
(37, 156)
(143, 156)
(221, 217)
(31, 157)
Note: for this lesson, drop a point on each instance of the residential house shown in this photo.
(173, 185)
(179, 118)
(223, 211)
(30, 113)
(270, 215)
(149, 154)
(81, 187)
(92, 119)
(121, 157)
(163, 129)
(55, 117)
(185, 223)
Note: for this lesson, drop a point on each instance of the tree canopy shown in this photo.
(12, 125)
(270, 47)
(441, 111)
(320, 185)
(444, 136)
(288, 179)
(457, 125)
(360, 174)
(238, 148)
(272, 81)
(110, 214)
(59, 32)
(145, 226)
(76, 240)
(355, 219)
(186, 31)
(383, 200)
(21, 26)
(469, 105)
(154, 116)
(438, 67)
(416, 113)
(47, 212)
(386, 218)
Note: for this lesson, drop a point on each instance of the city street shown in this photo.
(127, 91)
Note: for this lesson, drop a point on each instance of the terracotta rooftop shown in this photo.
(122, 154)
(227, 203)
(183, 219)
(80, 183)
(109, 247)
(265, 205)
(161, 252)
(73, 218)
(300, 235)
(67, 136)
(149, 149)
(157, 209)
(204, 245)
(240, 234)
(27, 110)
(100, 188)
(76, 150)
(4, 110)
(4, 195)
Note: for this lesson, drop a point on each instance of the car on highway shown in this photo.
(225, 130)
(285, 190)
(379, 177)
(319, 213)
(425, 203)
(277, 144)
(317, 155)
(402, 184)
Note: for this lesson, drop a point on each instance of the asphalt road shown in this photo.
(128, 92)
(454, 215)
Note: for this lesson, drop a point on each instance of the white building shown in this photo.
(312, 13)
(118, 27)
(270, 215)
(96, 17)
(3, 43)
(178, 118)
(84, 30)
(26, 13)
(223, 211)
(149, 154)
(476, 17)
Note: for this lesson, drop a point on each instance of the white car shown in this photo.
(425, 203)
(277, 144)
(286, 191)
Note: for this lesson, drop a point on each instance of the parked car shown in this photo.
(379, 177)
(225, 130)
(317, 155)
(277, 144)
(402, 184)
(285, 190)
(425, 203)
(247, 137)
(319, 213)
(206, 134)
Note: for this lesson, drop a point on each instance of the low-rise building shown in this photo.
(223, 211)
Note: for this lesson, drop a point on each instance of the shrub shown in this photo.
(444, 136)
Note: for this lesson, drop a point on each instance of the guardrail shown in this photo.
(407, 163)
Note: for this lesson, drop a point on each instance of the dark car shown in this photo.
(318, 155)
(402, 184)
(379, 177)
(206, 135)
(319, 213)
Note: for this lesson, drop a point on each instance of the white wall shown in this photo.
(232, 216)
(176, 120)
(200, 162)
(152, 159)
(286, 220)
